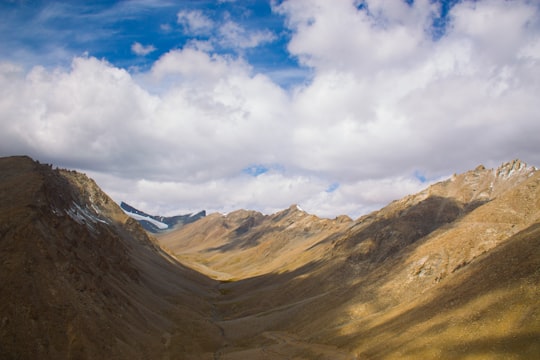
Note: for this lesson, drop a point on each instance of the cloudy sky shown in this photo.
(339, 106)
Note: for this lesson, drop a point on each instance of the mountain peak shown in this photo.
(295, 207)
(514, 167)
(291, 213)
(482, 184)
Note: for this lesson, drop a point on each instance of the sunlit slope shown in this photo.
(245, 243)
(451, 272)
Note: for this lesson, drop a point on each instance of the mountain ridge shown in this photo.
(450, 272)
(320, 277)
(442, 202)
(80, 279)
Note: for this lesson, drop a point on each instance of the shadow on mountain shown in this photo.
(396, 231)
(81, 280)
(272, 302)
(244, 240)
(385, 236)
(477, 297)
(246, 236)
(314, 300)
(356, 256)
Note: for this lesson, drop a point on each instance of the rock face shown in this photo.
(450, 272)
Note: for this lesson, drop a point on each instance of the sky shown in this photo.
(338, 106)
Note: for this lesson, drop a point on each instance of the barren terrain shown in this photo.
(452, 272)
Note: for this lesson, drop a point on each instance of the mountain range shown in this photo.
(451, 272)
(157, 223)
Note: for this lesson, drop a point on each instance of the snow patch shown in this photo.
(94, 207)
(83, 216)
(158, 224)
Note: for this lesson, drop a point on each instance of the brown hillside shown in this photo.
(247, 243)
(426, 277)
(81, 280)
(449, 273)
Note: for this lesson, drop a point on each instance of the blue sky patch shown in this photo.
(134, 34)
(332, 187)
(441, 21)
(255, 170)
(420, 176)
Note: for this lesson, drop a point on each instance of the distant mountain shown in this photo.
(157, 224)
(451, 272)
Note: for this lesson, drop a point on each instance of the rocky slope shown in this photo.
(428, 276)
(449, 273)
(80, 279)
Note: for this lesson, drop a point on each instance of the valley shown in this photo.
(449, 273)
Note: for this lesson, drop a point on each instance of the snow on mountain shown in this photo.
(158, 224)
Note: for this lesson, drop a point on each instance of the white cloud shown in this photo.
(337, 36)
(201, 45)
(233, 35)
(386, 92)
(386, 100)
(497, 28)
(226, 34)
(88, 114)
(195, 22)
(269, 192)
(141, 50)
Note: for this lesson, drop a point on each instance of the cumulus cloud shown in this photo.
(393, 95)
(388, 100)
(141, 50)
(89, 114)
(338, 36)
(270, 192)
